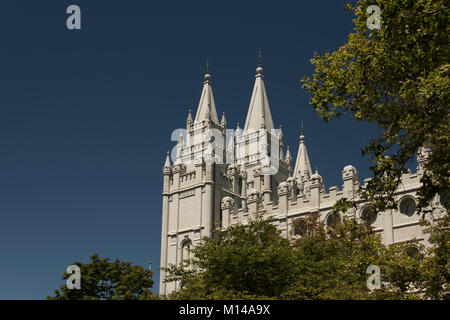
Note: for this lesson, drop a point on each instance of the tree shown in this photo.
(251, 261)
(435, 269)
(332, 263)
(255, 262)
(105, 280)
(398, 78)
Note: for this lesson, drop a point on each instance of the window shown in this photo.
(186, 249)
(333, 219)
(300, 227)
(407, 206)
(412, 251)
(368, 214)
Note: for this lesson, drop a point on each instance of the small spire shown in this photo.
(189, 118)
(206, 110)
(167, 163)
(280, 133)
(223, 122)
(288, 154)
(302, 164)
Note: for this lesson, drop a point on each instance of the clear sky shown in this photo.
(86, 116)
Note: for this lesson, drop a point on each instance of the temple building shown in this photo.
(255, 174)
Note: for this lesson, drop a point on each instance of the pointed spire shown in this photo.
(167, 163)
(302, 164)
(288, 160)
(259, 115)
(189, 118)
(280, 134)
(288, 154)
(207, 107)
(238, 130)
(223, 122)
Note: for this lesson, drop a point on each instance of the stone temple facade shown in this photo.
(200, 195)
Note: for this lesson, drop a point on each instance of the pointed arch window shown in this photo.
(186, 246)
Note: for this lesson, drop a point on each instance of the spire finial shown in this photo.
(259, 69)
(302, 134)
(207, 74)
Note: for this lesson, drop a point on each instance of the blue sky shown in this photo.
(86, 116)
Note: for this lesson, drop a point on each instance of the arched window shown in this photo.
(407, 206)
(300, 227)
(368, 214)
(186, 249)
(333, 219)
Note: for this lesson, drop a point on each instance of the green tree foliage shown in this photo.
(239, 262)
(256, 262)
(435, 271)
(102, 279)
(398, 78)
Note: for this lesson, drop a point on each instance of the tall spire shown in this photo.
(259, 115)
(302, 164)
(207, 107)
